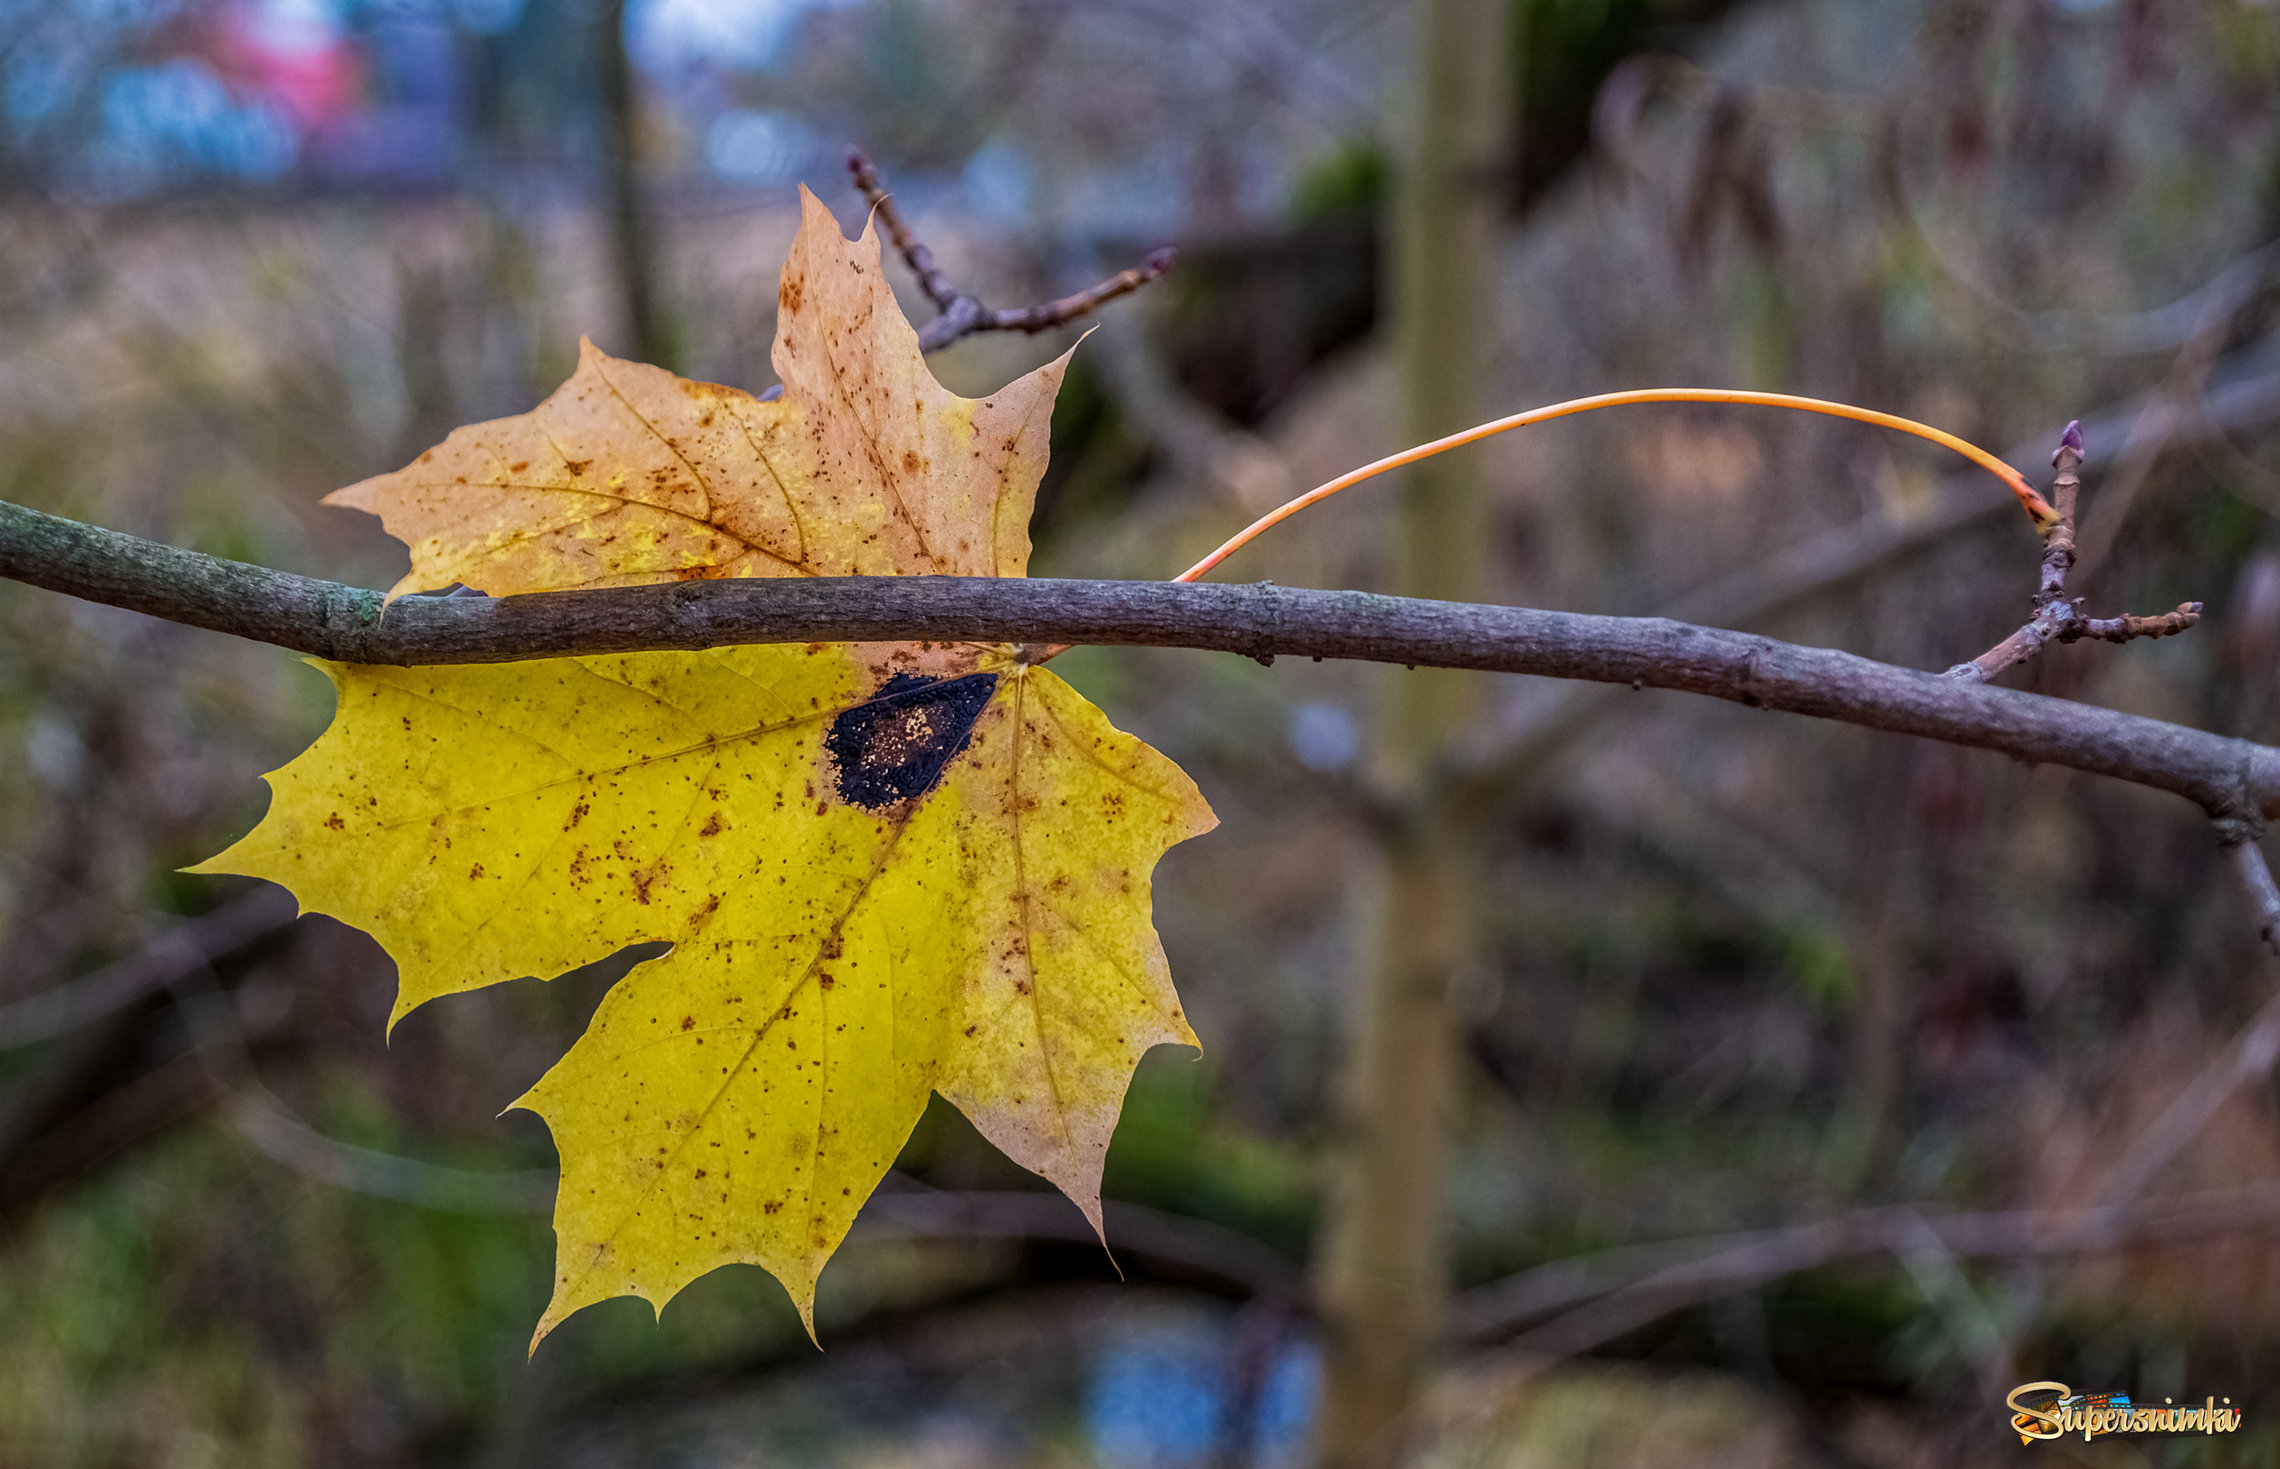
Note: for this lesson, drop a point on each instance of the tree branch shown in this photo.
(964, 313)
(2228, 778)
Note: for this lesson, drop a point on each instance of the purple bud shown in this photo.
(1161, 259)
(2072, 438)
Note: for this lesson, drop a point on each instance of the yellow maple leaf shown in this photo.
(627, 474)
(885, 869)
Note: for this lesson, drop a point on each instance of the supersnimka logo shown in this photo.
(2053, 1410)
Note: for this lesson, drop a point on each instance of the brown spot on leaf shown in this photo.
(335, 823)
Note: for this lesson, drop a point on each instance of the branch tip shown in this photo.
(962, 313)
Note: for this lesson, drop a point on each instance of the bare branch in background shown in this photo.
(1197, 446)
(183, 949)
(1592, 1299)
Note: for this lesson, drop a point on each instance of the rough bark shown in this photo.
(2226, 777)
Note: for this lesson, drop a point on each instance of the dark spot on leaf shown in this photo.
(896, 744)
(688, 1022)
(910, 461)
(334, 822)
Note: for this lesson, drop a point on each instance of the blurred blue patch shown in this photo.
(758, 147)
(1158, 1398)
(486, 17)
(996, 180)
(1324, 736)
(748, 34)
(177, 117)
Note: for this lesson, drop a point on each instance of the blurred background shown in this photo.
(1927, 1073)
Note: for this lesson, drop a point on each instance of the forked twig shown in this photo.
(2058, 618)
(964, 313)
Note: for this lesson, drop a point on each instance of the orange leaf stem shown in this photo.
(2036, 506)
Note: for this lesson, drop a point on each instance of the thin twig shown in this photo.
(1182, 1245)
(962, 312)
(2247, 858)
(2058, 618)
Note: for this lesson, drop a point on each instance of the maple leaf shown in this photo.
(627, 474)
(886, 870)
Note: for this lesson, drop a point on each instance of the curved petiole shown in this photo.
(2035, 505)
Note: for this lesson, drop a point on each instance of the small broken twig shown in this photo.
(964, 313)
(2058, 618)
